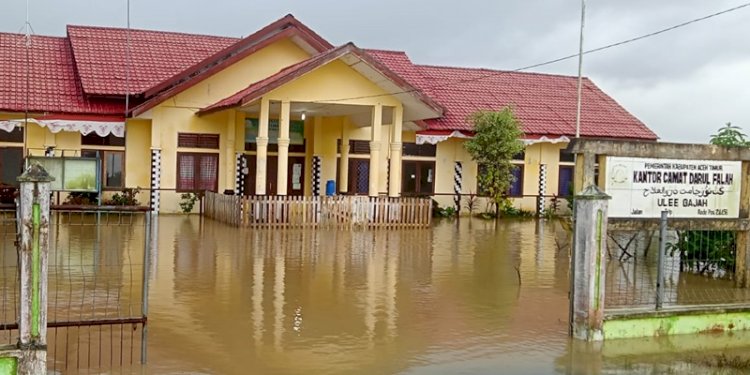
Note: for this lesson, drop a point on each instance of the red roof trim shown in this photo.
(285, 27)
(262, 87)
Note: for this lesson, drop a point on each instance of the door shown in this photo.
(295, 175)
(359, 176)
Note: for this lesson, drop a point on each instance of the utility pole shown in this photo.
(580, 69)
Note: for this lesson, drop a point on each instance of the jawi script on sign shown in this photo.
(643, 187)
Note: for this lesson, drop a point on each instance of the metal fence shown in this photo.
(690, 266)
(97, 305)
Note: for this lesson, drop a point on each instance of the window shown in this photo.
(197, 171)
(14, 136)
(195, 140)
(92, 139)
(357, 147)
(565, 180)
(566, 157)
(112, 167)
(413, 149)
(417, 177)
(516, 186)
(521, 156)
(11, 165)
(296, 135)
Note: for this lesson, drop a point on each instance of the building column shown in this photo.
(375, 140)
(541, 202)
(261, 141)
(283, 143)
(240, 168)
(394, 172)
(155, 179)
(317, 162)
(229, 146)
(344, 160)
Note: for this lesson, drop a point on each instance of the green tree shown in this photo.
(730, 136)
(497, 137)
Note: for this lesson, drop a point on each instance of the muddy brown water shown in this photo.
(467, 296)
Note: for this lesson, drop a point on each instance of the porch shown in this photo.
(317, 211)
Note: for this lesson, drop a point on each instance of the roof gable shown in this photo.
(388, 81)
(286, 27)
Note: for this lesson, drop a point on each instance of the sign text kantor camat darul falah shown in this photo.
(643, 188)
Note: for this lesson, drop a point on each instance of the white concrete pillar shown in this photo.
(377, 123)
(283, 143)
(261, 157)
(394, 180)
(344, 160)
(34, 203)
(589, 264)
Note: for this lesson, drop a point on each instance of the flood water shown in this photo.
(467, 296)
(442, 300)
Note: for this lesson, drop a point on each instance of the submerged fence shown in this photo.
(97, 286)
(334, 211)
(687, 265)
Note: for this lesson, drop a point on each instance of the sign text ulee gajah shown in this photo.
(642, 187)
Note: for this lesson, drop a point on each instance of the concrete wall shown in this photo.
(666, 323)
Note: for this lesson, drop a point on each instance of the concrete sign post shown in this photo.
(33, 215)
(589, 256)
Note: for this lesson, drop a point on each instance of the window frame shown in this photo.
(560, 191)
(509, 194)
(101, 154)
(2, 165)
(202, 140)
(419, 165)
(104, 141)
(196, 170)
(14, 136)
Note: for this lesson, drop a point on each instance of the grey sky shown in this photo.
(683, 84)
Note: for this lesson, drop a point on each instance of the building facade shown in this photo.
(280, 112)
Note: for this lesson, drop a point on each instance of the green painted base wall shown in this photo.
(8, 365)
(664, 324)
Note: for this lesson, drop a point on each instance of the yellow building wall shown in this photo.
(453, 150)
(177, 114)
(138, 157)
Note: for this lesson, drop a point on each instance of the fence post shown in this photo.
(660, 260)
(589, 251)
(34, 211)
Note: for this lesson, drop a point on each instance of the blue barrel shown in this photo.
(330, 188)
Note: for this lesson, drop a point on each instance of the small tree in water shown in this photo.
(497, 137)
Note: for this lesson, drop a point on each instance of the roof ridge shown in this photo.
(386, 50)
(497, 70)
(33, 35)
(67, 28)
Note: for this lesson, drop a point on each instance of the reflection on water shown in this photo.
(466, 296)
(462, 296)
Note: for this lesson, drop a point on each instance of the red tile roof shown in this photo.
(544, 103)
(53, 86)
(155, 56)
(77, 73)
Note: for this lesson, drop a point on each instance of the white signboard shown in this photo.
(643, 188)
